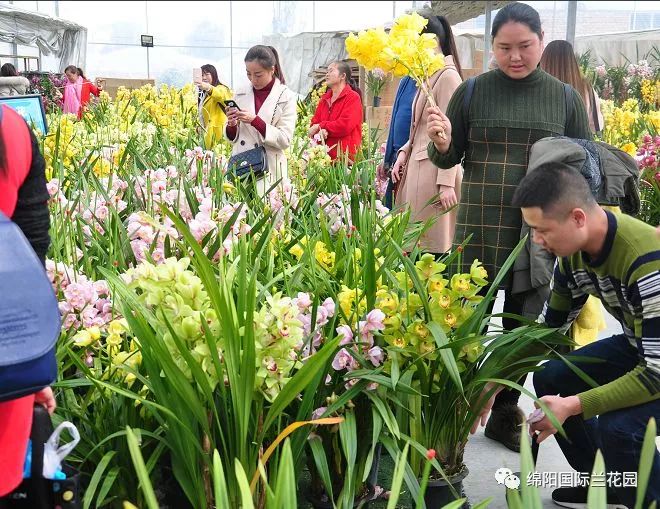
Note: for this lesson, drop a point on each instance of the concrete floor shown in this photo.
(484, 456)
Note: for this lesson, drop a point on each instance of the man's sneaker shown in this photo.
(576, 498)
(504, 426)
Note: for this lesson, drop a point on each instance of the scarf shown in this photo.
(72, 94)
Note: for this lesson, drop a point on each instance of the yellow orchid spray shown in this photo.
(404, 51)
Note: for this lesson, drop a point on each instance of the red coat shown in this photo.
(342, 120)
(16, 414)
(88, 88)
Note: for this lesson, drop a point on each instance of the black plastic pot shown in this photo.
(439, 493)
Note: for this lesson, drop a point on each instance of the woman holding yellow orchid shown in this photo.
(418, 181)
(491, 133)
(211, 105)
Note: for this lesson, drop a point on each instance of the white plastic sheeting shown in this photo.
(302, 53)
(54, 37)
(619, 48)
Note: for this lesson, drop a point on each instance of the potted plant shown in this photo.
(375, 84)
(437, 344)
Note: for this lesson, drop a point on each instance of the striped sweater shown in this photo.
(626, 277)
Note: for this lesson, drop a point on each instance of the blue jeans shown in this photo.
(389, 198)
(618, 434)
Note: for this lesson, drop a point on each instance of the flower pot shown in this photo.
(438, 492)
(324, 503)
(376, 101)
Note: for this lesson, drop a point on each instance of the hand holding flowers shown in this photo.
(438, 128)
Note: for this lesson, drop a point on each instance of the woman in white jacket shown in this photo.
(267, 114)
(11, 83)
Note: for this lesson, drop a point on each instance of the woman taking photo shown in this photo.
(418, 181)
(77, 91)
(210, 105)
(559, 60)
(338, 117)
(266, 114)
(510, 109)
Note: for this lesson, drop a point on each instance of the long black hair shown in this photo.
(440, 27)
(344, 68)
(215, 81)
(267, 57)
(517, 12)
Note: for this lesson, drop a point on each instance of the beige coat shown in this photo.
(421, 179)
(279, 111)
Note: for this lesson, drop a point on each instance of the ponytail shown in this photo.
(440, 27)
(279, 73)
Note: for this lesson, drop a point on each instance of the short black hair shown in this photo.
(555, 188)
(517, 12)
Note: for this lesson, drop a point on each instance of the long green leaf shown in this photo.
(530, 494)
(285, 487)
(649, 450)
(446, 355)
(348, 439)
(377, 426)
(597, 495)
(108, 484)
(397, 476)
(141, 470)
(96, 478)
(243, 486)
(321, 462)
(219, 482)
(299, 381)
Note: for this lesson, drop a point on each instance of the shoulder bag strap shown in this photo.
(467, 98)
(594, 109)
(276, 103)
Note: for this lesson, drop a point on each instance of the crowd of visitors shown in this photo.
(465, 163)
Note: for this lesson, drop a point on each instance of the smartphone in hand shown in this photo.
(230, 103)
(197, 74)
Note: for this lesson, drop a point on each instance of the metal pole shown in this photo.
(146, 20)
(393, 9)
(487, 38)
(554, 15)
(231, 45)
(57, 8)
(570, 21)
(313, 15)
